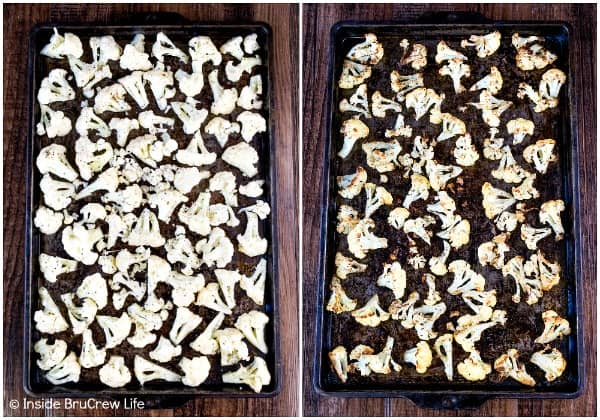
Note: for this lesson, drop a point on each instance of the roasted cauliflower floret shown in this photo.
(464, 151)
(397, 217)
(417, 58)
(380, 105)
(338, 358)
(531, 286)
(531, 235)
(551, 361)
(495, 200)
(381, 156)
(555, 328)
(492, 252)
(394, 278)
(451, 126)
(419, 190)
(519, 128)
(492, 82)
(367, 362)
(352, 130)
(345, 266)
(357, 103)
(347, 219)
(361, 240)
(443, 349)
(465, 279)
(526, 190)
(507, 365)
(370, 51)
(371, 314)
(550, 214)
(403, 84)
(419, 226)
(473, 368)
(422, 100)
(456, 69)
(509, 170)
(437, 265)
(445, 53)
(491, 108)
(531, 55)
(351, 185)
(419, 356)
(376, 197)
(439, 174)
(353, 74)
(540, 154)
(485, 45)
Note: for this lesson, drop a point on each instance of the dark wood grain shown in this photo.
(283, 19)
(318, 20)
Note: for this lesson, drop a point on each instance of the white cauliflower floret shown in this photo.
(367, 362)
(417, 58)
(155, 123)
(78, 242)
(451, 126)
(358, 102)
(465, 279)
(555, 327)
(507, 365)
(371, 314)
(370, 51)
(242, 156)
(104, 49)
(419, 226)
(256, 375)
(79, 316)
(439, 174)
(227, 279)
(195, 370)
(146, 231)
(338, 358)
(134, 85)
(184, 287)
(252, 123)
(455, 230)
(222, 129)
(531, 235)
(55, 88)
(205, 343)
(134, 57)
(397, 217)
(485, 45)
(469, 328)
(52, 159)
(394, 278)
(232, 347)
(180, 249)
(91, 157)
(185, 322)
(53, 123)
(126, 200)
(224, 100)
(189, 84)
(419, 190)
(63, 46)
(551, 361)
(492, 82)
(57, 194)
(233, 47)
(47, 221)
(197, 215)
(445, 53)
(380, 105)
(360, 240)
(248, 98)
(381, 155)
(191, 117)
(50, 354)
(353, 130)
(115, 329)
(403, 84)
(252, 189)
(166, 201)
(254, 286)
(187, 178)
(351, 185)
(437, 265)
(376, 197)
(161, 82)
(49, 319)
(85, 73)
(164, 46)
(111, 98)
(443, 349)
(540, 154)
(196, 153)
(115, 373)
(509, 170)
(346, 266)
(88, 121)
(464, 151)
(491, 108)
(252, 325)
(126, 259)
(217, 249)
(473, 368)
(68, 370)
(94, 287)
(495, 201)
(51, 266)
(91, 356)
(492, 252)
(234, 72)
(421, 100)
(146, 371)
(250, 242)
(519, 128)
(202, 50)
(531, 286)
(210, 298)
(92, 212)
(456, 70)
(420, 356)
(550, 214)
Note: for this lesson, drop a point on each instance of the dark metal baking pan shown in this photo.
(180, 31)
(433, 390)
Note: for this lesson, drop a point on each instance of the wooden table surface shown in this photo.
(318, 20)
(18, 21)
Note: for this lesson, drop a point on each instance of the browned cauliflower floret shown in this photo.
(443, 349)
(456, 69)
(439, 174)
(368, 362)
(531, 235)
(357, 103)
(338, 357)
(339, 301)
(507, 365)
(353, 130)
(485, 45)
(551, 361)
(403, 84)
(419, 190)
(550, 214)
(495, 200)
(445, 53)
(419, 226)
(464, 151)
(540, 154)
(546, 271)
(371, 314)
(370, 51)
(397, 217)
(376, 197)
(465, 279)
(417, 57)
(531, 55)
(347, 218)
(400, 128)
(382, 155)
(351, 185)
(345, 266)
(555, 327)
(509, 170)
(473, 368)
(492, 145)
(404, 311)
(451, 126)
(353, 74)
(519, 128)
(492, 82)
(491, 108)
(526, 190)
(420, 356)
(421, 100)
(492, 252)
(380, 105)
(394, 278)
(531, 286)
(361, 240)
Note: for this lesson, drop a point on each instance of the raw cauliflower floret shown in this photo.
(242, 156)
(91, 157)
(352, 130)
(217, 249)
(456, 70)
(63, 46)
(50, 354)
(551, 361)
(394, 278)
(371, 314)
(78, 242)
(420, 356)
(519, 128)
(115, 329)
(126, 200)
(224, 100)
(203, 50)
(232, 347)
(185, 322)
(252, 124)
(94, 287)
(55, 88)
(166, 201)
(91, 356)
(196, 153)
(234, 72)
(370, 51)
(250, 242)
(249, 94)
(555, 327)
(507, 365)
(164, 46)
(51, 266)
(252, 325)
(66, 371)
(361, 240)
(134, 57)
(52, 159)
(115, 373)
(49, 319)
(111, 98)
(191, 117)
(195, 370)
(105, 49)
(57, 194)
(485, 45)
(161, 82)
(53, 123)
(205, 343)
(47, 221)
(473, 368)
(255, 375)
(492, 82)
(464, 151)
(222, 129)
(146, 371)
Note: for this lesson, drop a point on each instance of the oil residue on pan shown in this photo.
(524, 322)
